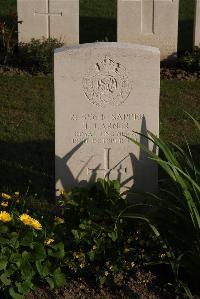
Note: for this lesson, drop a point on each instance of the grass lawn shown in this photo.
(26, 133)
(27, 127)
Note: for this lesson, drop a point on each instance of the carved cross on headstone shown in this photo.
(107, 170)
(148, 16)
(48, 15)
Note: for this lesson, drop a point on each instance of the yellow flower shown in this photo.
(5, 196)
(5, 217)
(132, 264)
(48, 241)
(162, 255)
(28, 220)
(126, 250)
(4, 204)
(36, 224)
(82, 265)
(106, 273)
(59, 220)
(17, 193)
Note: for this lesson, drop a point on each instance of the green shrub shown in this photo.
(37, 56)
(28, 254)
(82, 236)
(100, 244)
(174, 214)
(8, 39)
(191, 61)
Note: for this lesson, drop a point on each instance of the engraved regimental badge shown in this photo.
(107, 83)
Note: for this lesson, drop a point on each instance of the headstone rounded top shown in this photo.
(107, 45)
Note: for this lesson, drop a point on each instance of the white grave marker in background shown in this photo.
(149, 22)
(49, 18)
(197, 24)
(104, 91)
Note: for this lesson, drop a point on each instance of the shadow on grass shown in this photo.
(97, 29)
(28, 165)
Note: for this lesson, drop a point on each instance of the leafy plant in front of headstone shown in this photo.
(191, 60)
(28, 254)
(174, 213)
(8, 40)
(37, 55)
(99, 244)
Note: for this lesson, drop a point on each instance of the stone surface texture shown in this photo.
(104, 91)
(197, 24)
(48, 18)
(149, 22)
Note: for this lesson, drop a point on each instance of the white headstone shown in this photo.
(149, 22)
(48, 18)
(103, 92)
(197, 24)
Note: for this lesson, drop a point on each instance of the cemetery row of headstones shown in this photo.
(105, 92)
(147, 22)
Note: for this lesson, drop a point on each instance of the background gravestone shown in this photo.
(103, 91)
(49, 18)
(197, 24)
(149, 22)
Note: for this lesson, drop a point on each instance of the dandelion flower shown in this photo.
(59, 220)
(5, 196)
(106, 273)
(49, 241)
(28, 220)
(36, 224)
(4, 204)
(82, 265)
(5, 217)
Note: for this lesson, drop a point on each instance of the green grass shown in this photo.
(8, 7)
(26, 133)
(27, 127)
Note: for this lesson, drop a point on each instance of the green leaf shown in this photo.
(3, 228)
(14, 294)
(26, 268)
(39, 252)
(3, 262)
(50, 282)
(43, 268)
(113, 236)
(58, 277)
(16, 258)
(57, 251)
(5, 278)
(14, 240)
(27, 239)
(91, 255)
(24, 286)
(117, 186)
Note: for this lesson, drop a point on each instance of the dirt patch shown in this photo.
(179, 74)
(141, 285)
